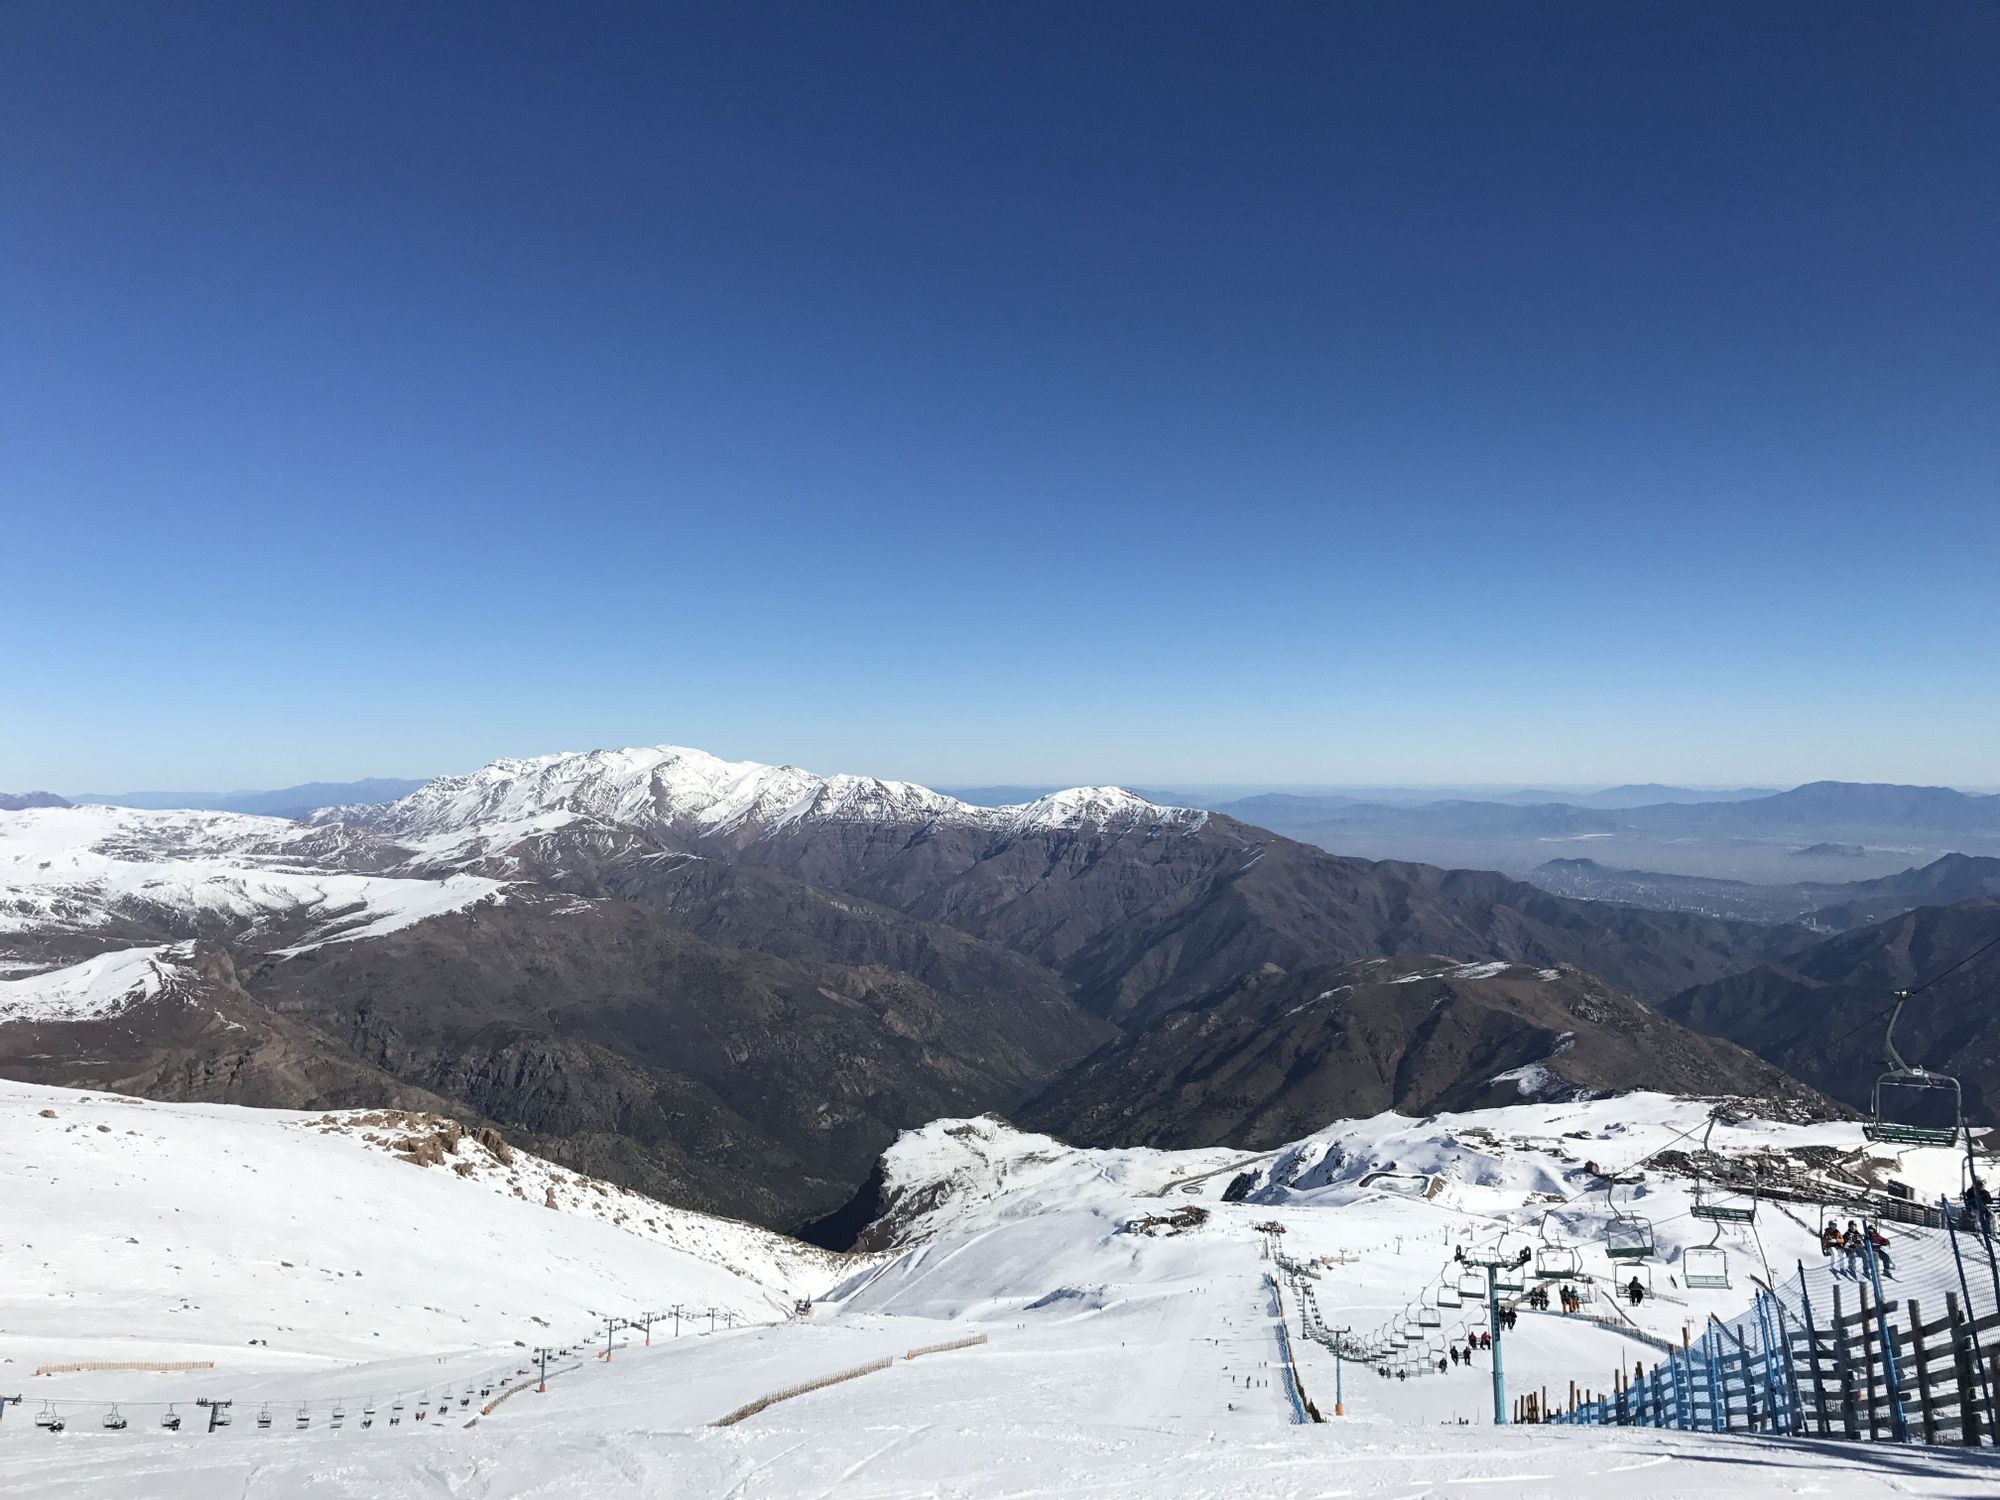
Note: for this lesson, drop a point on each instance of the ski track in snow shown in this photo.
(1134, 1390)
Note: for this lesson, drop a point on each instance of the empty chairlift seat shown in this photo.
(1705, 1268)
(1628, 1237)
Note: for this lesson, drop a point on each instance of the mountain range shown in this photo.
(731, 984)
(1821, 829)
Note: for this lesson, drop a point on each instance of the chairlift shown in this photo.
(1711, 1204)
(1472, 1284)
(114, 1420)
(1447, 1294)
(172, 1420)
(1634, 1270)
(368, 1414)
(396, 1413)
(1627, 1236)
(46, 1415)
(1508, 1279)
(304, 1419)
(1555, 1262)
(339, 1416)
(423, 1405)
(263, 1418)
(1911, 1106)
(1705, 1268)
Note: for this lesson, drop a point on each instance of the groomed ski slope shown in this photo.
(1118, 1364)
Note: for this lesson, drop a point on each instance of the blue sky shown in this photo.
(1151, 393)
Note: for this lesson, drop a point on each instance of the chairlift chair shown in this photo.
(1447, 1294)
(263, 1418)
(114, 1421)
(1711, 1205)
(46, 1415)
(339, 1416)
(1555, 1262)
(1705, 1268)
(1472, 1284)
(1628, 1237)
(304, 1419)
(1509, 1279)
(1717, 1211)
(396, 1413)
(172, 1420)
(1911, 1106)
(368, 1415)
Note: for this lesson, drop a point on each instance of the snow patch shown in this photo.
(97, 987)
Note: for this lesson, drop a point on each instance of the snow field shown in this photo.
(1118, 1364)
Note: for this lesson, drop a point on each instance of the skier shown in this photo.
(1636, 1292)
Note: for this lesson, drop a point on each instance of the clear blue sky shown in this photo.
(1304, 392)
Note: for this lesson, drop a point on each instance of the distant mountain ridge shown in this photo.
(282, 802)
(22, 801)
(1872, 828)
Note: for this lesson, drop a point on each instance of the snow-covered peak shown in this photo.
(690, 792)
(1096, 806)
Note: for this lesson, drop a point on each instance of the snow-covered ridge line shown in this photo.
(97, 987)
(671, 786)
(82, 869)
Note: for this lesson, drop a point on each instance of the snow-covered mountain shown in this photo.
(96, 874)
(689, 794)
(725, 983)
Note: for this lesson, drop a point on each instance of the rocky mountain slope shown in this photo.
(1274, 1054)
(1818, 1015)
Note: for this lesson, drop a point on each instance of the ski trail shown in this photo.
(907, 1435)
(757, 1468)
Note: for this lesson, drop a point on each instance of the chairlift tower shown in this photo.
(1494, 1261)
(1339, 1342)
